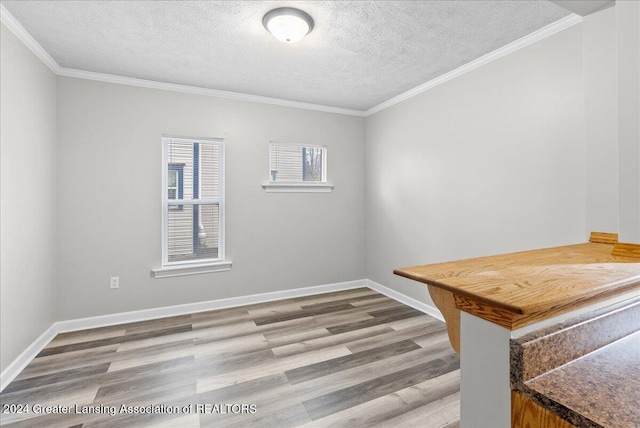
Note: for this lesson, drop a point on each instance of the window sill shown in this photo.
(297, 188)
(190, 269)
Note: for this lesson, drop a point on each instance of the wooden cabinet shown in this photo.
(527, 414)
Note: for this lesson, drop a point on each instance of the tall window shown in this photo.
(193, 199)
(296, 163)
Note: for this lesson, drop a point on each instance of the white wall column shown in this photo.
(485, 392)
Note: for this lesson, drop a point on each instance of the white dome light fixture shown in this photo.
(288, 24)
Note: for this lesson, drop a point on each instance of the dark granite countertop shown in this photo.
(585, 370)
(603, 387)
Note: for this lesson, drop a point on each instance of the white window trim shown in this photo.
(191, 267)
(297, 187)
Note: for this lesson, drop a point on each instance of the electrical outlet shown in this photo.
(115, 282)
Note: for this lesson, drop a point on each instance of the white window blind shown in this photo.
(193, 198)
(297, 163)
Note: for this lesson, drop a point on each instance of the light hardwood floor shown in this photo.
(347, 359)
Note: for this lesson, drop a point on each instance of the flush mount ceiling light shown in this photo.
(288, 24)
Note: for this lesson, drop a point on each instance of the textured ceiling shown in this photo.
(360, 53)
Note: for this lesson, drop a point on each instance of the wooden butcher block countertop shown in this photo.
(517, 289)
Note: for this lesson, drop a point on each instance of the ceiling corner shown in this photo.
(584, 7)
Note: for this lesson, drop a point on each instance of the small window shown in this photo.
(175, 184)
(193, 196)
(297, 163)
(172, 184)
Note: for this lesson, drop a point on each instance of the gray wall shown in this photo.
(628, 48)
(612, 112)
(109, 207)
(601, 119)
(27, 197)
(490, 162)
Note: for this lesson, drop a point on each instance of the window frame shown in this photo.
(172, 268)
(298, 186)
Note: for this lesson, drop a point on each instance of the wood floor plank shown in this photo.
(325, 321)
(160, 340)
(387, 407)
(438, 414)
(376, 299)
(319, 321)
(269, 396)
(269, 367)
(230, 347)
(219, 333)
(290, 416)
(168, 390)
(266, 395)
(263, 309)
(395, 336)
(151, 354)
(206, 319)
(337, 381)
(47, 395)
(347, 358)
(247, 391)
(57, 377)
(375, 304)
(303, 313)
(112, 340)
(84, 336)
(159, 324)
(379, 317)
(313, 371)
(137, 376)
(274, 310)
(223, 314)
(413, 321)
(126, 420)
(393, 312)
(432, 339)
(268, 308)
(341, 301)
(165, 367)
(291, 337)
(225, 331)
(212, 366)
(187, 421)
(330, 340)
(68, 361)
(48, 421)
(365, 391)
(336, 295)
(156, 324)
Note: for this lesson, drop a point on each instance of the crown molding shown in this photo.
(131, 81)
(527, 40)
(16, 28)
(523, 42)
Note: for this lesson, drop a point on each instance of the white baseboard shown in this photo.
(192, 308)
(34, 349)
(402, 298)
(26, 356)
